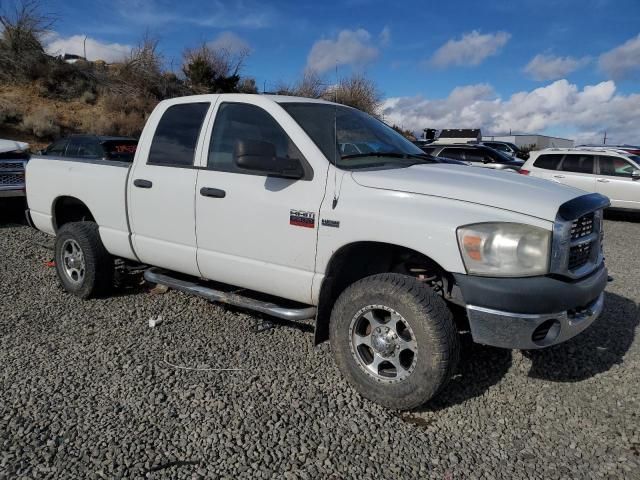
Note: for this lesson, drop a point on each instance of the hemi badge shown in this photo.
(301, 218)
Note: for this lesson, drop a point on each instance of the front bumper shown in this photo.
(12, 192)
(530, 313)
(530, 331)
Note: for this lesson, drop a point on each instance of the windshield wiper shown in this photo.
(404, 156)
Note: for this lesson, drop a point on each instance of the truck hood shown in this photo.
(484, 186)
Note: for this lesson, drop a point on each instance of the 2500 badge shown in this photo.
(300, 218)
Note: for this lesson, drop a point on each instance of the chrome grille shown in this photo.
(11, 178)
(582, 226)
(11, 165)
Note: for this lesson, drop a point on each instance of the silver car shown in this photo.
(13, 158)
(611, 172)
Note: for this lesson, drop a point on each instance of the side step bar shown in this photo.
(156, 275)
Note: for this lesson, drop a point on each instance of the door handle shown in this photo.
(557, 176)
(212, 192)
(603, 180)
(141, 183)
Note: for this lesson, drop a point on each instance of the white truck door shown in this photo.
(615, 181)
(577, 170)
(162, 187)
(255, 231)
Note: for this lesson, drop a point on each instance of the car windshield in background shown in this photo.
(122, 150)
(353, 138)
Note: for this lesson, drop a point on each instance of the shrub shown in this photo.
(42, 123)
(10, 112)
(88, 97)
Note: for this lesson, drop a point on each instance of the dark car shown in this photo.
(506, 147)
(97, 147)
(476, 155)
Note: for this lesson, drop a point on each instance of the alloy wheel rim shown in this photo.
(73, 263)
(383, 344)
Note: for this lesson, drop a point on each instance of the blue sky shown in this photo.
(419, 53)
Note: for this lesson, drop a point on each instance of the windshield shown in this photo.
(353, 138)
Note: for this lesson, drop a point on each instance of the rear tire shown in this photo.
(83, 265)
(394, 340)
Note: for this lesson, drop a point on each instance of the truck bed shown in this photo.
(99, 184)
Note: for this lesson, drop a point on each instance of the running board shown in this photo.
(156, 275)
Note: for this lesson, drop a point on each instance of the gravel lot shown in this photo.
(85, 391)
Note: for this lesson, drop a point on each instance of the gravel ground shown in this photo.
(86, 391)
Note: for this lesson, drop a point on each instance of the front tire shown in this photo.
(394, 340)
(83, 265)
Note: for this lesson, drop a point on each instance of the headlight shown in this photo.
(505, 249)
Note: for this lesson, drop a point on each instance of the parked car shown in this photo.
(506, 147)
(13, 158)
(611, 172)
(632, 149)
(378, 247)
(476, 155)
(98, 147)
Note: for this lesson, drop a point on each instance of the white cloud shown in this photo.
(216, 13)
(96, 50)
(471, 49)
(385, 36)
(549, 67)
(230, 42)
(559, 107)
(622, 61)
(351, 47)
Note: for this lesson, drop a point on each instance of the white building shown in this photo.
(535, 142)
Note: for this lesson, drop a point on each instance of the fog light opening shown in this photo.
(546, 333)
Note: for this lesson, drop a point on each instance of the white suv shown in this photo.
(611, 172)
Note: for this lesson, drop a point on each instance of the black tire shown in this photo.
(430, 322)
(97, 279)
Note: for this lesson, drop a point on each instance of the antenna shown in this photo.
(336, 153)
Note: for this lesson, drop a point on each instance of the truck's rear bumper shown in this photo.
(528, 313)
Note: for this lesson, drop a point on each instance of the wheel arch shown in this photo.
(66, 209)
(357, 260)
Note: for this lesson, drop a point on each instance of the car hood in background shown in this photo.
(484, 186)
(12, 146)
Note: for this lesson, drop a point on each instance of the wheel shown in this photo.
(84, 266)
(394, 340)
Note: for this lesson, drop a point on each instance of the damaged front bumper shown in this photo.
(531, 313)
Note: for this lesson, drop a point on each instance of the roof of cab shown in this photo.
(236, 96)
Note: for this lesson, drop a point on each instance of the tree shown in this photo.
(22, 55)
(309, 86)
(356, 91)
(408, 134)
(214, 70)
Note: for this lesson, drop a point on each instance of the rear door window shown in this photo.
(578, 163)
(175, 139)
(548, 162)
(615, 167)
(477, 156)
(454, 153)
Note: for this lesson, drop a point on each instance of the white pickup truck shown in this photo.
(247, 200)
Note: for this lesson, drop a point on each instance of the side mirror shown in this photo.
(635, 175)
(260, 157)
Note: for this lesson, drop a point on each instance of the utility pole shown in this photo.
(84, 45)
(604, 142)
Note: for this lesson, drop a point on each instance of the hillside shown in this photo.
(28, 116)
